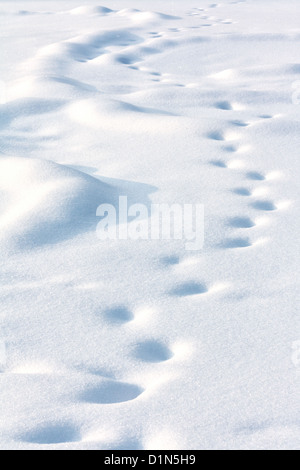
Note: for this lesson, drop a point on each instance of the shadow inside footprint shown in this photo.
(189, 288)
(264, 206)
(225, 105)
(152, 351)
(119, 314)
(266, 116)
(230, 148)
(241, 222)
(52, 434)
(240, 123)
(236, 243)
(216, 135)
(255, 176)
(170, 260)
(242, 191)
(218, 163)
(111, 392)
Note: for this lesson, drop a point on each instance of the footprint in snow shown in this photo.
(171, 260)
(240, 123)
(231, 148)
(216, 135)
(52, 433)
(152, 351)
(218, 163)
(241, 222)
(189, 288)
(118, 315)
(242, 191)
(232, 243)
(227, 106)
(221, 136)
(110, 392)
(255, 176)
(266, 116)
(264, 205)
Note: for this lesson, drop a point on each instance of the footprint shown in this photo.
(126, 60)
(266, 116)
(170, 260)
(264, 205)
(52, 434)
(237, 243)
(240, 123)
(224, 105)
(189, 288)
(230, 148)
(227, 105)
(255, 176)
(218, 163)
(152, 351)
(111, 392)
(227, 21)
(119, 314)
(241, 222)
(242, 191)
(216, 135)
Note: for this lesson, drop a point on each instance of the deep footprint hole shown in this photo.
(242, 191)
(171, 260)
(264, 205)
(224, 105)
(255, 176)
(237, 243)
(152, 351)
(189, 288)
(216, 135)
(111, 392)
(241, 222)
(218, 163)
(52, 434)
(119, 314)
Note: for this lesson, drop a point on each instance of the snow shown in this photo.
(143, 344)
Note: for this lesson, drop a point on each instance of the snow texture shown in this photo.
(141, 344)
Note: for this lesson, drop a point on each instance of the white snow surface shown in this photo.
(142, 344)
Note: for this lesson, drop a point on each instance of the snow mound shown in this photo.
(145, 16)
(91, 10)
(43, 202)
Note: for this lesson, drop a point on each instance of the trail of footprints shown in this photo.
(133, 48)
(207, 19)
(258, 199)
(108, 392)
(152, 351)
